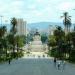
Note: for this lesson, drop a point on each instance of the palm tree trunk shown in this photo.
(14, 51)
(17, 50)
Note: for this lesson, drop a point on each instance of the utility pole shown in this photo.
(74, 23)
(1, 19)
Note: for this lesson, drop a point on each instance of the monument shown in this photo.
(36, 45)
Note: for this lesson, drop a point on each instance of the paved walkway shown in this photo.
(36, 55)
(35, 67)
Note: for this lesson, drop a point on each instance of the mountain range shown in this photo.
(40, 25)
(43, 25)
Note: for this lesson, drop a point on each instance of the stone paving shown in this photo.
(35, 66)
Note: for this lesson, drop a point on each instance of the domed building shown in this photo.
(36, 44)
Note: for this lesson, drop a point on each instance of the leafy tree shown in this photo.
(51, 41)
(59, 37)
(3, 44)
(2, 31)
(20, 41)
(72, 38)
(59, 34)
(44, 38)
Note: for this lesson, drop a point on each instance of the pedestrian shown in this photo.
(9, 61)
(59, 64)
(63, 64)
(55, 62)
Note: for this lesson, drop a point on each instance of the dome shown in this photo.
(37, 33)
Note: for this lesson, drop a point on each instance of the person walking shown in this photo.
(9, 60)
(59, 64)
(55, 62)
(63, 64)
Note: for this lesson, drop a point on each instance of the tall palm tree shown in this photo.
(13, 32)
(66, 22)
(14, 24)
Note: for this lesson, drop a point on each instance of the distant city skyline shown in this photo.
(37, 10)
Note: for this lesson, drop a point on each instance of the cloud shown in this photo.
(40, 1)
(66, 6)
(17, 3)
(3, 7)
(31, 7)
(35, 10)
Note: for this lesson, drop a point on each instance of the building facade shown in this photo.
(21, 27)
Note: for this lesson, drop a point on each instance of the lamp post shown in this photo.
(8, 52)
(1, 19)
(74, 23)
(9, 56)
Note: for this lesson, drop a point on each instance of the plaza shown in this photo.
(35, 66)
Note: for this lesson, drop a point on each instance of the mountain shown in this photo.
(42, 25)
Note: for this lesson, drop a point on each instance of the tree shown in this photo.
(20, 41)
(3, 44)
(66, 22)
(2, 34)
(2, 31)
(70, 38)
(13, 32)
(51, 41)
(44, 38)
(59, 34)
(59, 37)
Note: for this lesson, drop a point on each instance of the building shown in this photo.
(21, 27)
(36, 45)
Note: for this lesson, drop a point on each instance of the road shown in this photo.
(40, 66)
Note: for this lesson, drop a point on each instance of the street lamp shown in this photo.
(74, 24)
(1, 19)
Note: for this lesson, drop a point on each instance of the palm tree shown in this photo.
(66, 22)
(13, 32)
(14, 24)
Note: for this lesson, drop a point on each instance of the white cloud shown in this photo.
(40, 1)
(66, 6)
(35, 10)
(3, 7)
(17, 2)
(32, 7)
(37, 13)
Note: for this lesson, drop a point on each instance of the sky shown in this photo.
(36, 10)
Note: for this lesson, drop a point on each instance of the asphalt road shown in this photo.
(38, 66)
